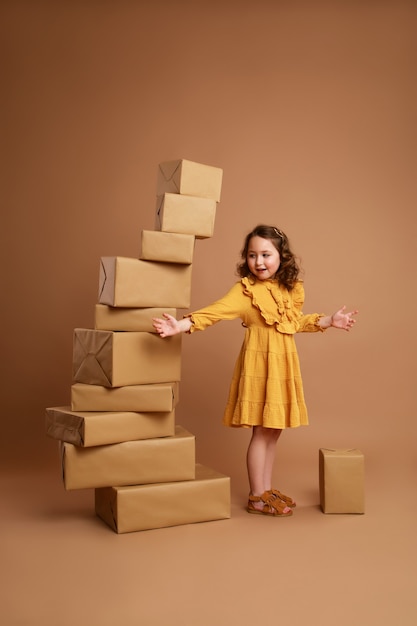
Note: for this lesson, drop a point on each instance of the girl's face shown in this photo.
(263, 258)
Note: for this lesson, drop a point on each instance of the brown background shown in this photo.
(310, 109)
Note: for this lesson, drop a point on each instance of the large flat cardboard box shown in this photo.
(167, 247)
(127, 319)
(185, 214)
(127, 282)
(189, 178)
(130, 463)
(144, 507)
(158, 397)
(341, 481)
(116, 359)
(90, 428)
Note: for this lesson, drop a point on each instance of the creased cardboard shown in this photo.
(116, 359)
(189, 178)
(158, 397)
(128, 319)
(341, 481)
(165, 459)
(92, 428)
(126, 282)
(145, 507)
(185, 214)
(167, 247)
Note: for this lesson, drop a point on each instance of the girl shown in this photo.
(266, 392)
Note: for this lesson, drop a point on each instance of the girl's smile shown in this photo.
(263, 258)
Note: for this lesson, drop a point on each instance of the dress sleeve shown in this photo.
(307, 323)
(229, 307)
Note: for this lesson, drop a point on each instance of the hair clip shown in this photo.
(278, 232)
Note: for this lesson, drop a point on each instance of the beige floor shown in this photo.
(62, 566)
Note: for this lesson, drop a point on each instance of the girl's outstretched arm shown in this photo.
(170, 326)
(339, 319)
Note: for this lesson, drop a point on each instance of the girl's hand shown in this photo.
(343, 320)
(170, 326)
(167, 326)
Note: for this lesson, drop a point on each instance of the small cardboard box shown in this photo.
(158, 397)
(126, 282)
(341, 481)
(144, 507)
(130, 463)
(167, 247)
(132, 320)
(185, 214)
(98, 429)
(189, 178)
(116, 359)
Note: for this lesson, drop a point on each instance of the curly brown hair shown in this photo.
(288, 270)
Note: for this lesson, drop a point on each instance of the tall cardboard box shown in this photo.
(341, 481)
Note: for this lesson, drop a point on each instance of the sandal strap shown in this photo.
(287, 499)
(276, 504)
(269, 501)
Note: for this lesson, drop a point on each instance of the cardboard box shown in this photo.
(127, 319)
(130, 509)
(116, 359)
(185, 214)
(127, 282)
(341, 481)
(130, 463)
(189, 178)
(158, 397)
(167, 247)
(98, 429)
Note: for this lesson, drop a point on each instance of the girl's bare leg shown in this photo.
(260, 459)
(270, 458)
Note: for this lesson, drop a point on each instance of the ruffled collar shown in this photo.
(273, 301)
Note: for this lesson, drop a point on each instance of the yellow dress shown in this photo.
(266, 387)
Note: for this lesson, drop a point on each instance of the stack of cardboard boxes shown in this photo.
(120, 436)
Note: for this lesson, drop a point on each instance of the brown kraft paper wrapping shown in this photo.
(189, 178)
(137, 398)
(128, 319)
(98, 429)
(341, 481)
(167, 247)
(139, 462)
(185, 214)
(116, 359)
(144, 507)
(126, 282)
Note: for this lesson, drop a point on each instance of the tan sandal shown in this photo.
(286, 499)
(271, 505)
